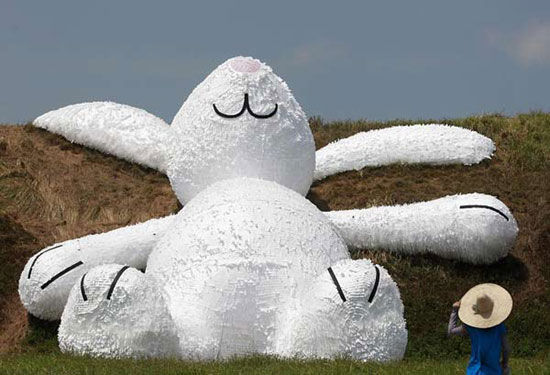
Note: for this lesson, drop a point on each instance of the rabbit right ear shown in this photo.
(130, 133)
(433, 144)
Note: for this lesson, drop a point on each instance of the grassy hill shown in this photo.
(52, 190)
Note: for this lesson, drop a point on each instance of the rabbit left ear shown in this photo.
(130, 133)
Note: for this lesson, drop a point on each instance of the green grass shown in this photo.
(64, 364)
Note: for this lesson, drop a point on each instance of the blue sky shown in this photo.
(343, 60)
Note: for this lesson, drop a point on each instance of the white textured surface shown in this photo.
(129, 245)
(239, 253)
(243, 267)
(210, 148)
(132, 322)
(326, 327)
(440, 226)
(426, 144)
(127, 132)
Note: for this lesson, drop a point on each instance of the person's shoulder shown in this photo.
(500, 328)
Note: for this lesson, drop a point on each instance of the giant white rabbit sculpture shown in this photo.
(249, 265)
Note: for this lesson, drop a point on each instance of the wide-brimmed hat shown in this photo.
(485, 306)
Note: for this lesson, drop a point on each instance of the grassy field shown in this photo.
(67, 365)
(52, 190)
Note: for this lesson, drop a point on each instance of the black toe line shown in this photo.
(57, 276)
(82, 291)
(487, 207)
(38, 256)
(376, 282)
(115, 280)
(335, 281)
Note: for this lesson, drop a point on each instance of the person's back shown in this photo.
(483, 310)
(486, 349)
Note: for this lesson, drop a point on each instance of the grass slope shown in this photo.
(52, 190)
(67, 365)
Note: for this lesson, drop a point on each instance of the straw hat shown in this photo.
(485, 306)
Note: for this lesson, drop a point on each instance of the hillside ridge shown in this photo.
(52, 190)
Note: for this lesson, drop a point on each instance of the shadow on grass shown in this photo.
(41, 336)
(509, 269)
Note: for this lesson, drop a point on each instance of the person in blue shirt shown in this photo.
(482, 311)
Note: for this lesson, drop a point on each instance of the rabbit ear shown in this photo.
(417, 144)
(129, 133)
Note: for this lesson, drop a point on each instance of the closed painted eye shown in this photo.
(246, 106)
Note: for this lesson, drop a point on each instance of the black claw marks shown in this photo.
(38, 256)
(487, 207)
(111, 288)
(57, 276)
(375, 287)
(82, 291)
(246, 106)
(341, 292)
(115, 280)
(335, 281)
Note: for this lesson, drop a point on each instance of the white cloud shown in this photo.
(529, 46)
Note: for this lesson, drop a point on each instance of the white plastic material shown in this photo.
(326, 327)
(249, 265)
(244, 267)
(474, 228)
(426, 144)
(127, 319)
(128, 245)
(210, 148)
(127, 132)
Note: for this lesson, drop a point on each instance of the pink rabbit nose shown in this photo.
(245, 64)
